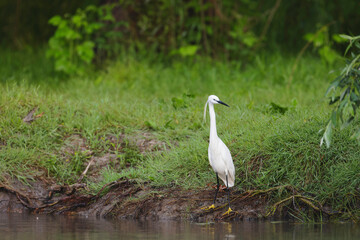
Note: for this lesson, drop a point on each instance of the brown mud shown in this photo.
(128, 200)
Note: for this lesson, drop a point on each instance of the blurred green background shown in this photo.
(227, 28)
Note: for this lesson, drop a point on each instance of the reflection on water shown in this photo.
(60, 227)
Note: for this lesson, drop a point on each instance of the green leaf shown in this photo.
(90, 28)
(189, 50)
(357, 44)
(78, 20)
(334, 100)
(352, 63)
(318, 39)
(333, 118)
(249, 39)
(86, 51)
(347, 122)
(353, 96)
(347, 37)
(56, 20)
(333, 85)
(356, 135)
(345, 92)
(328, 54)
(68, 33)
(308, 37)
(327, 135)
(337, 38)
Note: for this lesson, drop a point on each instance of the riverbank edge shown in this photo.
(126, 199)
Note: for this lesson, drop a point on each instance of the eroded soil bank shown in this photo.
(124, 199)
(127, 200)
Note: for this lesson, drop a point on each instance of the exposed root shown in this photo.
(68, 190)
(253, 193)
(308, 201)
(25, 200)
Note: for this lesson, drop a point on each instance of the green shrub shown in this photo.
(73, 44)
(345, 90)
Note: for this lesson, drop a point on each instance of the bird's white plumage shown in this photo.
(219, 155)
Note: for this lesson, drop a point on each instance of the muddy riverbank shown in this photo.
(124, 199)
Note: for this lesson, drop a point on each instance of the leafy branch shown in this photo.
(76, 36)
(344, 93)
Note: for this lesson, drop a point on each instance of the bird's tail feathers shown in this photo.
(231, 182)
(231, 178)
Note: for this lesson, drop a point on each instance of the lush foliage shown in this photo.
(226, 30)
(323, 44)
(345, 93)
(73, 44)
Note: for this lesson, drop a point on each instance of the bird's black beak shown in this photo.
(223, 103)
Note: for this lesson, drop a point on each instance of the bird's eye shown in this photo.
(214, 99)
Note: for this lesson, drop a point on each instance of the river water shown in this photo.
(59, 227)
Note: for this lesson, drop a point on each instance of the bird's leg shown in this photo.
(217, 190)
(228, 189)
(217, 187)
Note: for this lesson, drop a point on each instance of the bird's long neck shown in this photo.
(213, 133)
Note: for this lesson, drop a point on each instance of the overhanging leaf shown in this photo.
(356, 135)
(333, 85)
(327, 135)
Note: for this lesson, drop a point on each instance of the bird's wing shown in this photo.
(226, 157)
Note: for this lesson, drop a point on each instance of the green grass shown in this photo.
(134, 95)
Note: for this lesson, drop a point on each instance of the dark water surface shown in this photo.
(59, 227)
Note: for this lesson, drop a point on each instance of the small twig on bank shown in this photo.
(85, 171)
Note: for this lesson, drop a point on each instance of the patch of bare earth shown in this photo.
(143, 142)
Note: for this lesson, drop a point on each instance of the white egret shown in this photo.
(219, 155)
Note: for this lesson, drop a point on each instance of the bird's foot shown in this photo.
(221, 187)
(208, 208)
(228, 212)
